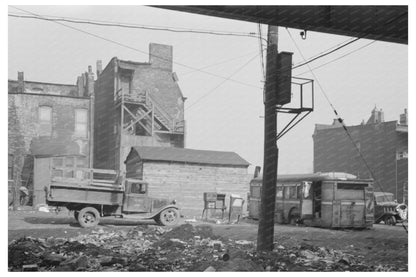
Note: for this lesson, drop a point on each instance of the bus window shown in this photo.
(279, 192)
(290, 192)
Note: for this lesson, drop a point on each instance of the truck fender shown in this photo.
(155, 213)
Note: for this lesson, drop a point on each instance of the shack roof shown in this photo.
(185, 155)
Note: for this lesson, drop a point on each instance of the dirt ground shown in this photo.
(381, 245)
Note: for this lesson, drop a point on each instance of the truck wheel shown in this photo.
(169, 216)
(88, 217)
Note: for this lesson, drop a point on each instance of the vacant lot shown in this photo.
(382, 245)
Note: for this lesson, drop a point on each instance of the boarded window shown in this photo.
(67, 167)
(45, 121)
(81, 123)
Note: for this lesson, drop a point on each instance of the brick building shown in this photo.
(46, 120)
(185, 174)
(137, 104)
(384, 146)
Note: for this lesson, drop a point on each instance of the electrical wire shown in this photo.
(336, 114)
(221, 62)
(221, 83)
(135, 26)
(144, 52)
(338, 58)
(263, 70)
(326, 54)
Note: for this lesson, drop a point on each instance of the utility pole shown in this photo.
(268, 193)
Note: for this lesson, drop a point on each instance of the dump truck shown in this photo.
(91, 194)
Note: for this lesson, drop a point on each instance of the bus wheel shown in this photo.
(294, 216)
(390, 220)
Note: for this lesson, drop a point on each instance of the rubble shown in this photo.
(183, 248)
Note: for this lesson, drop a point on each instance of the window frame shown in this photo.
(45, 125)
(81, 132)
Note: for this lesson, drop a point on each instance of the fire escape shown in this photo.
(142, 115)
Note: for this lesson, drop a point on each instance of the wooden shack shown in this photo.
(185, 174)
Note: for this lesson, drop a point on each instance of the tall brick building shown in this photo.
(137, 104)
(46, 120)
(384, 146)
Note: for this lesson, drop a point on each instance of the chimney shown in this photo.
(257, 171)
(160, 56)
(80, 85)
(89, 90)
(99, 67)
(404, 118)
(20, 82)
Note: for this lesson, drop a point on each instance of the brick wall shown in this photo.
(24, 129)
(186, 183)
(106, 120)
(334, 151)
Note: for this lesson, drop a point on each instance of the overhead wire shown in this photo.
(326, 54)
(340, 120)
(221, 62)
(338, 58)
(135, 26)
(221, 83)
(144, 52)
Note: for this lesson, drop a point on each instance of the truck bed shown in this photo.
(66, 192)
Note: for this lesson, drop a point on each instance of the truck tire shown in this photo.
(168, 217)
(88, 217)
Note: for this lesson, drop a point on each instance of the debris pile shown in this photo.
(183, 248)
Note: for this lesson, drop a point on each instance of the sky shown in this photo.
(224, 113)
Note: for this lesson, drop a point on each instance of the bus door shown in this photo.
(306, 200)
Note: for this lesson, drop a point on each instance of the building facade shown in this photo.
(185, 174)
(382, 155)
(45, 120)
(137, 104)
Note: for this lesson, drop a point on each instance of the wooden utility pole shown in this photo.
(268, 193)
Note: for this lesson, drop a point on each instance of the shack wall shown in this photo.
(186, 183)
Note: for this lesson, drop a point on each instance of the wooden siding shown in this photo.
(186, 183)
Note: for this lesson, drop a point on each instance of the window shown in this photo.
(68, 167)
(290, 192)
(45, 121)
(81, 123)
(138, 188)
(279, 192)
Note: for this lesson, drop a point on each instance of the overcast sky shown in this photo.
(221, 113)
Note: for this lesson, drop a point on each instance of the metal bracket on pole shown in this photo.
(300, 107)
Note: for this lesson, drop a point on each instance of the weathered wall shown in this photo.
(106, 120)
(24, 130)
(334, 151)
(186, 183)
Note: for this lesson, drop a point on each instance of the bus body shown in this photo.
(331, 200)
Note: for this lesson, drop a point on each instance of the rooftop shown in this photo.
(184, 155)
